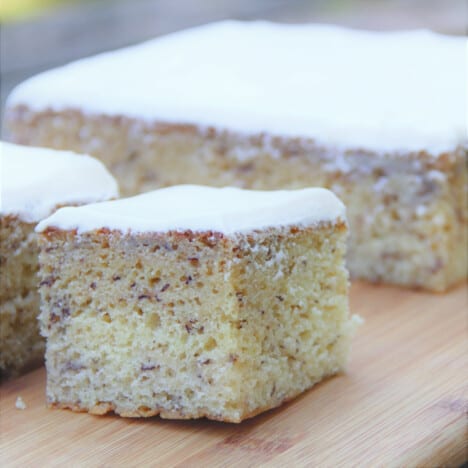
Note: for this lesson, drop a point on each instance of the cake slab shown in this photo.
(377, 117)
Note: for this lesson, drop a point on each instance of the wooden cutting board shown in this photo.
(403, 402)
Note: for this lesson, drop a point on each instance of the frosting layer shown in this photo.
(34, 181)
(198, 208)
(384, 91)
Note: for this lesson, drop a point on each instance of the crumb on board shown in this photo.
(20, 404)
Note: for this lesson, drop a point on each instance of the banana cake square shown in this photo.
(377, 117)
(193, 302)
(34, 183)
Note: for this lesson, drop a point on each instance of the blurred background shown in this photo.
(39, 34)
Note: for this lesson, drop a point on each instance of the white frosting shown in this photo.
(197, 208)
(384, 91)
(35, 180)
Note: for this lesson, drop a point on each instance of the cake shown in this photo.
(193, 302)
(34, 182)
(377, 117)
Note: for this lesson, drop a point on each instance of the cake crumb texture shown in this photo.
(21, 345)
(192, 324)
(20, 403)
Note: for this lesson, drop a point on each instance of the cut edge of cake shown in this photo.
(215, 320)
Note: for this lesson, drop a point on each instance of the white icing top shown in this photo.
(35, 180)
(384, 91)
(197, 208)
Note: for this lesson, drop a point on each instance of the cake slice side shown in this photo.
(151, 330)
(190, 325)
(21, 345)
(35, 182)
(294, 325)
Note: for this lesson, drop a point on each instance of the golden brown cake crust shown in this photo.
(106, 408)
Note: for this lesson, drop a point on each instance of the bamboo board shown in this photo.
(403, 402)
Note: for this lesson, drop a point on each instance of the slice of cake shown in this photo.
(34, 182)
(378, 117)
(194, 302)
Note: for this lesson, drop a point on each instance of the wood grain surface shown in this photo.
(403, 402)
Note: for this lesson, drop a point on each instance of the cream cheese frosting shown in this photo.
(34, 181)
(197, 208)
(381, 91)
